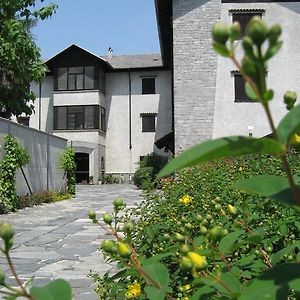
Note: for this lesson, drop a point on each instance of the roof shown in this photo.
(120, 62)
(134, 61)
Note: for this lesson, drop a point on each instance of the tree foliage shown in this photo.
(20, 61)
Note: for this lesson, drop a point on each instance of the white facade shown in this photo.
(117, 148)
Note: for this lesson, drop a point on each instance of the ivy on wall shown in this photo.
(14, 157)
(67, 162)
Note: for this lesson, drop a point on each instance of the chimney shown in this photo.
(110, 52)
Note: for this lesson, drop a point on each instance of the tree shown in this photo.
(20, 60)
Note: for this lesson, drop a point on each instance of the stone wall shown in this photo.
(43, 173)
(195, 66)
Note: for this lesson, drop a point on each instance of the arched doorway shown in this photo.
(82, 167)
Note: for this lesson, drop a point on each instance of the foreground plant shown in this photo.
(55, 290)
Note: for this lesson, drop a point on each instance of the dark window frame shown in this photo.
(240, 95)
(97, 110)
(148, 122)
(149, 88)
(76, 75)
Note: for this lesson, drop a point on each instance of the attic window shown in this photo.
(148, 85)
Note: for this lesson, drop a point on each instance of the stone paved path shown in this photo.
(58, 240)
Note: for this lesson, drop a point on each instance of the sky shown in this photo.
(127, 26)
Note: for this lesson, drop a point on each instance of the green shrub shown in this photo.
(201, 212)
(40, 198)
(67, 163)
(149, 166)
(143, 175)
(15, 156)
(110, 179)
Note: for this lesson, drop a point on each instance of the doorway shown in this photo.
(82, 167)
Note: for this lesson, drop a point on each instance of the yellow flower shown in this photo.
(186, 200)
(187, 287)
(295, 139)
(134, 291)
(199, 261)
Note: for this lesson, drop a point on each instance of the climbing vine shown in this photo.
(15, 156)
(67, 162)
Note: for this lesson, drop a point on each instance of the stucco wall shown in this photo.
(43, 172)
(283, 74)
(119, 158)
(195, 67)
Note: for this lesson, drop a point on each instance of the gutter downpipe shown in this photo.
(40, 104)
(130, 121)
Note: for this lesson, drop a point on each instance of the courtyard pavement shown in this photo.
(58, 240)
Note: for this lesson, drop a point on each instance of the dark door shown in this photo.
(82, 167)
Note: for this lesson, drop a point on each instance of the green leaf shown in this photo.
(227, 241)
(158, 272)
(289, 125)
(221, 148)
(203, 293)
(250, 92)
(273, 284)
(221, 49)
(155, 293)
(273, 50)
(231, 281)
(274, 187)
(58, 289)
(156, 258)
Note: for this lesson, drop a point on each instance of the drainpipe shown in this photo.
(130, 121)
(40, 104)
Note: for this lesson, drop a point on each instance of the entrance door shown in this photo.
(82, 167)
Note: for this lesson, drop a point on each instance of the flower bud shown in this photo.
(258, 30)
(203, 230)
(199, 261)
(185, 264)
(128, 226)
(216, 233)
(185, 249)
(166, 237)
(6, 232)
(295, 139)
(274, 33)
(107, 245)
(235, 31)
(123, 249)
(92, 214)
(118, 203)
(248, 66)
(107, 218)
(179, 237)
(289, 99)
(220, 33)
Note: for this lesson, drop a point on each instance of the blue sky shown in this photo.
(128, 26)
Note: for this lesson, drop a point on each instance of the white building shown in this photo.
(111, 109)
(114, 109)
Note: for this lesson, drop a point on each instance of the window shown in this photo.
(239, 88)
(148, 122)
(102, 119)
(23, 121)
(244, 18)
(75, 78)
(148, 85)
(78, 117)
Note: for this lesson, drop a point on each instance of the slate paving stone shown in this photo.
(57, 240)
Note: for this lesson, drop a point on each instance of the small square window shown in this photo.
(239, 88)
(244, 19)
(148, 123)
(148, 85)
